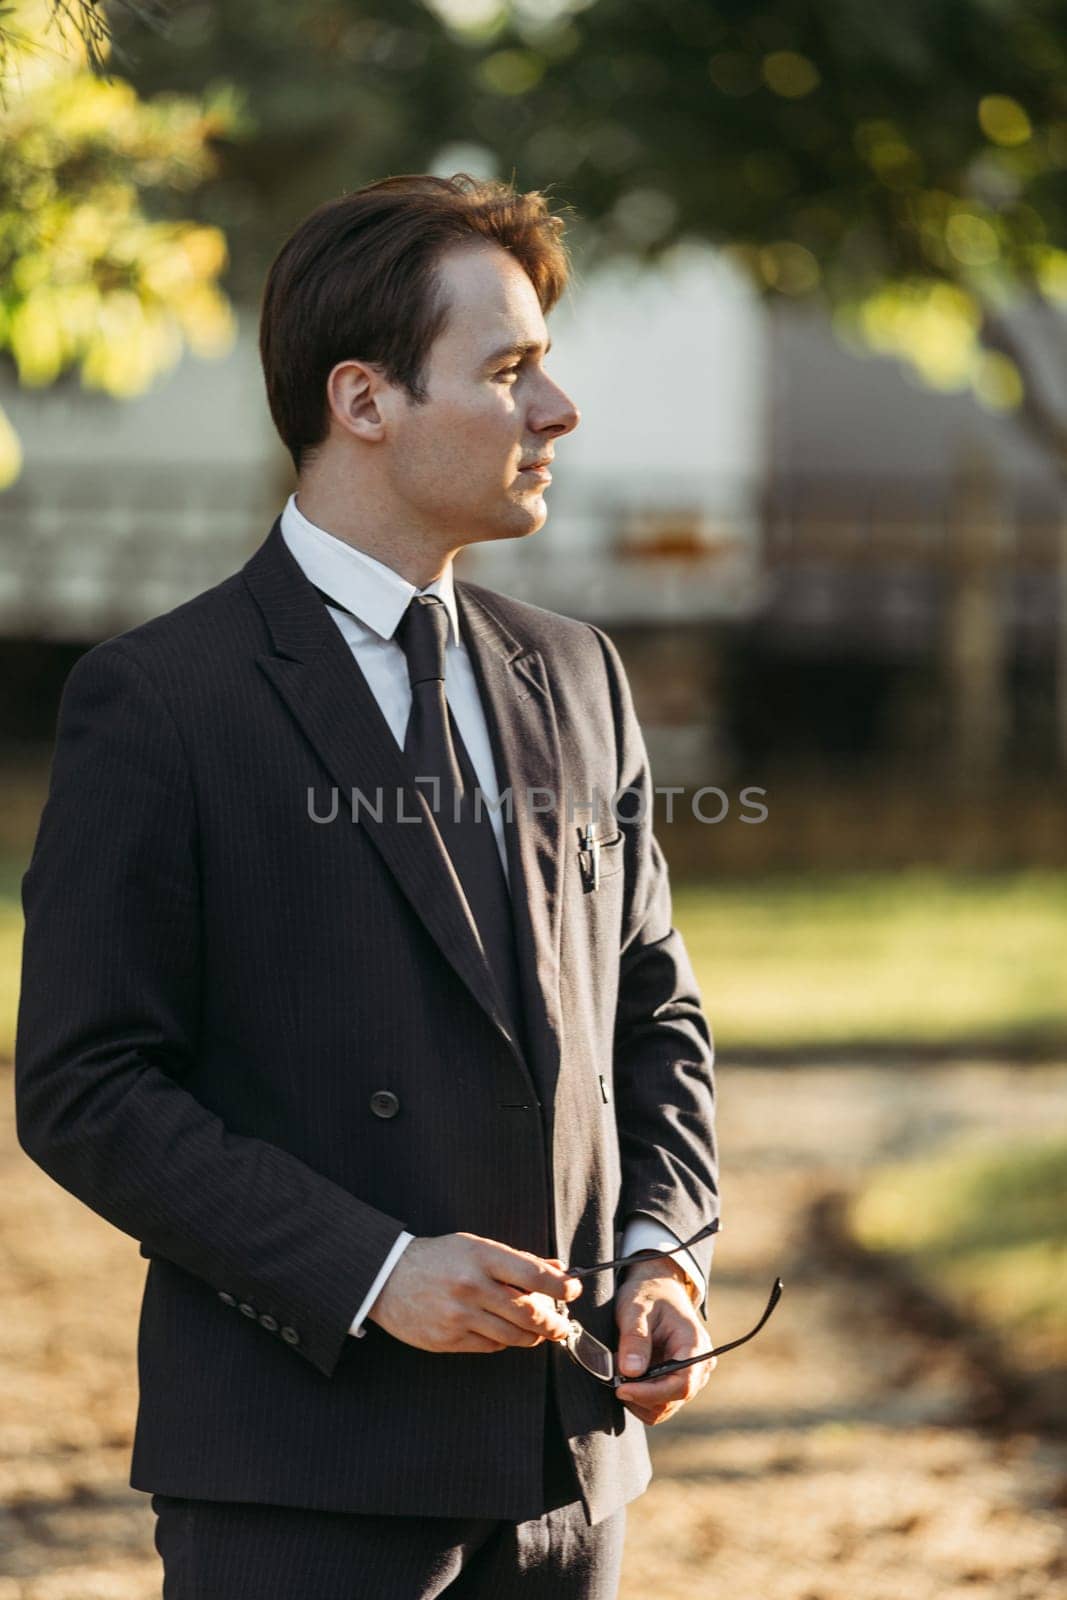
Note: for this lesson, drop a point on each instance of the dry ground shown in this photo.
(833, 1458)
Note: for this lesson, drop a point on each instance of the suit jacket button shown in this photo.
(227, 1299)
(290, 1336)
(246, 1310)
(268, 1322)
(384, 1103)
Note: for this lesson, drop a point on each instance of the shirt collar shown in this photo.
(373, 592)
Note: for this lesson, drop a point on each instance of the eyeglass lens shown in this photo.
(591, 1354)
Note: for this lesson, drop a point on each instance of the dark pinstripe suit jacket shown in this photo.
(218, 989)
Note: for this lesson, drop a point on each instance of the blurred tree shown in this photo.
(88, 282)
(340, 92)
(84, 18)
(904, 164)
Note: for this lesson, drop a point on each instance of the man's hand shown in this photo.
(460, 1292)
(658, 1322)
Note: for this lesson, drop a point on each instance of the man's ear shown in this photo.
(353, 389)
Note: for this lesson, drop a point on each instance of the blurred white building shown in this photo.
(735, 473)
(124, 509)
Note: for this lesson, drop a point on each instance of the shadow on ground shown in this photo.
(861, 1448)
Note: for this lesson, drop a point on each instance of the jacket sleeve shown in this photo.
(108, 1029)
(664, 1054)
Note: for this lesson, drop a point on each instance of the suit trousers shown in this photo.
(229, 1550)
(223, 1550)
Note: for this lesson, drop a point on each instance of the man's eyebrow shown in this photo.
(521, 347)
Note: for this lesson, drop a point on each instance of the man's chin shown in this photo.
(520, 525)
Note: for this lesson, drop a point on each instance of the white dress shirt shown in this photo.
(379, 596)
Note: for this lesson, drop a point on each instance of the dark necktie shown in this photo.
(434, 750)
(432, 745)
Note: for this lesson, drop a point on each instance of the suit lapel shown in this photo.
(320, 682)
(521, 721)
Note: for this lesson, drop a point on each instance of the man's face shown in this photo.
(456, 460)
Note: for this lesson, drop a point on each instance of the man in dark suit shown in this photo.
(350, 987)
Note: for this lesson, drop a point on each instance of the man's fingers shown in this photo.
(535, 1313)
(504, 1331)
(658, 1399)
(657, 1391)
(650, 1417)
(531, 1273)
(676, 1386)
(635, 1342)
(476, 1345)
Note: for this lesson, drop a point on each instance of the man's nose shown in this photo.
(561, 415)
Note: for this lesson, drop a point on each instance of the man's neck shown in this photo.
(403, 549)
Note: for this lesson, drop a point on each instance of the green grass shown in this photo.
(987, 1229)
(817, 961)
(902, 957)
(10, 951)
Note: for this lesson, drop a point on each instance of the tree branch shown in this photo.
(1038, 413)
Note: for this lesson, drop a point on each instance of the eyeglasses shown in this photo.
(596, 1359)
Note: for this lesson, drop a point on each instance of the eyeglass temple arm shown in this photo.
(666, 1367)
(645, 1255)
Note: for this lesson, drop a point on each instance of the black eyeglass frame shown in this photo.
(662, 1369)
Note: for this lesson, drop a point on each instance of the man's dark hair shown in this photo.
(358, 280)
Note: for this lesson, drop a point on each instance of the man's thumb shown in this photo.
(635, 1348)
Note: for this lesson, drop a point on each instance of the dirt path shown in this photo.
(831, 1459)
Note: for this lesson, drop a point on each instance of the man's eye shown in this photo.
(506, 370)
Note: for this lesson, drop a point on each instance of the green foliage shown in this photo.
(89, 281)
(988, 1227)
(83, 21)
(336, 95)
(904, 164)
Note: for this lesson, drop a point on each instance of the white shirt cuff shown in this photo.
(646, 1233)
(401, 1244)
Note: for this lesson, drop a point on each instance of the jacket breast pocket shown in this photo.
(601, 859)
